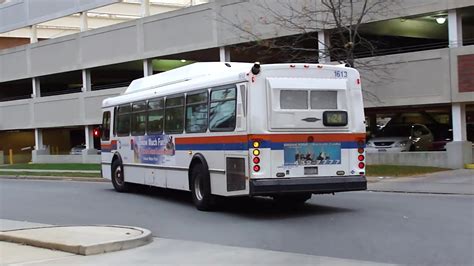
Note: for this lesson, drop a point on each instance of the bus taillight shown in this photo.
(361, 156)
(256, 153)
(256, 160)
(256, 168)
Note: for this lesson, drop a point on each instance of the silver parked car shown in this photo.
(401, 137)
(77, 150)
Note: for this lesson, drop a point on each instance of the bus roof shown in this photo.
(186, 73)
(204, 73)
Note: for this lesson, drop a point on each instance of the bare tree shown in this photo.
(300, 21)
(341, 20)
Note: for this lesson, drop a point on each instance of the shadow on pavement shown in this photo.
(250, 207)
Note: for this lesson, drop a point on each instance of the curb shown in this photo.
(419, 192)
(55, 178)
(93, 249)
(50, 171)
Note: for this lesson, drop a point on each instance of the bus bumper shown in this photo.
(317, 185)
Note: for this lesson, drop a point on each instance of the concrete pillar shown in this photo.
(86, 80)
(224, 54)
(40, 149)
(459, 121)
(454, 28)
(33, 34)
(147, 67)
(459, 150)
(145, 8)
(2, 158)
(323, 47)
(89, 142)
(88, 132)
(84, 23)
(39, 139)
(36, 88)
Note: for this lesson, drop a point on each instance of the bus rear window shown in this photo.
(323, 99)
(294, 99)
(298, 99)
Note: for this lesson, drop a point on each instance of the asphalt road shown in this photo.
(371, 226)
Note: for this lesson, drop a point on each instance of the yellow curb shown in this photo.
(469, 166)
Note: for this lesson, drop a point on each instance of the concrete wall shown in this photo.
(435, 159)
(184, 30)
(55, 111)
(66, 159)
(21, 13)
(426, 77)
(458, 96)
(408, 79)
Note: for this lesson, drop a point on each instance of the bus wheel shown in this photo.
(118, 178)
(292, 199)
(201, 188)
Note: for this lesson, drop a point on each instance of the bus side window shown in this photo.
(196, 112)
(155, 114)
(222, 109)
(138, 118)
(123, 120)
(106, 126)
(174, 114)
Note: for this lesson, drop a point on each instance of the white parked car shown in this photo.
(401, 137)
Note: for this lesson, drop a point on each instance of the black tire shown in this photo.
(200, 185)
(295, 199)
(118, 178)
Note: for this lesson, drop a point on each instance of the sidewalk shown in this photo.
(460, 181)
(160, 251)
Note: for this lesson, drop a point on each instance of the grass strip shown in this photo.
(53, 166)
(61, 174)
(400, 170)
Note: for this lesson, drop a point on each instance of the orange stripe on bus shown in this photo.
(273, 138)
(304, 137)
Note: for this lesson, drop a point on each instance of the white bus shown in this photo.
(234, 129)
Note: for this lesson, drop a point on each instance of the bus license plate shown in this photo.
(311, 170)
